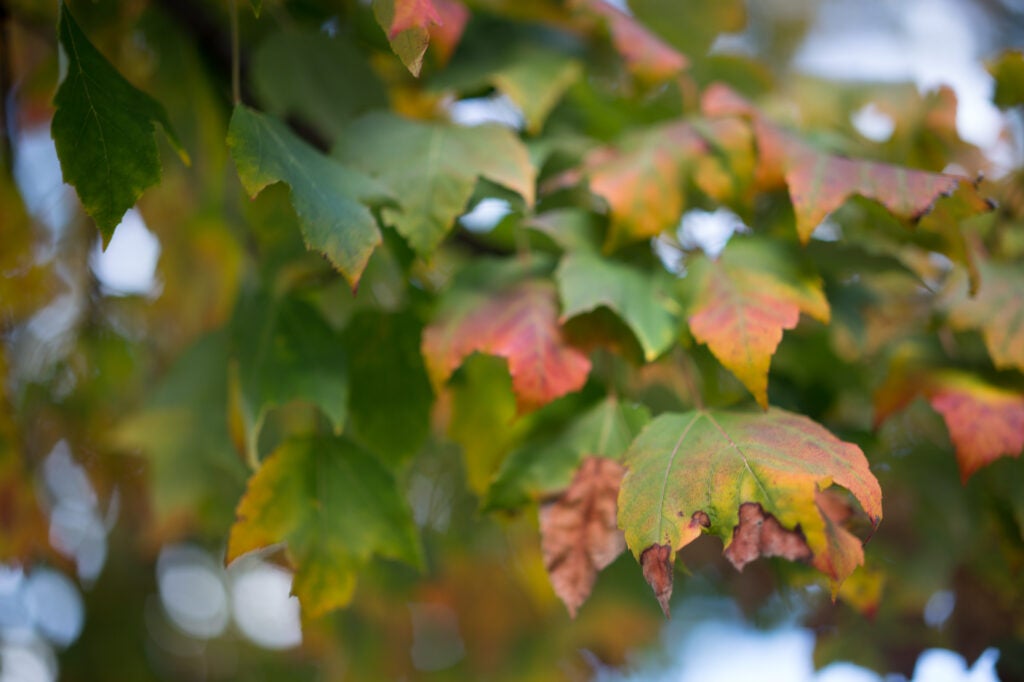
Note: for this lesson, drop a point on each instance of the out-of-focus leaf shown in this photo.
(985, 422)
(284, 351)
(534, 78)
(195, 472)
(103, 128)
(519, 324)
(410, 26)
(997, 310)
(579, 535)
(587, 282)
(329, 198)
(641, 179)
(819, 183)
(336, 507)
(742, 302)
(648, 57)
(324, 81)
(545, 465)
(25, 283)
(696, 472)
(390, 391)
(432, 168)
(483, 418)
(22, 525)
(1008, 70)
(691, 27)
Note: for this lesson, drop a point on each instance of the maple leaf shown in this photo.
(544, 466)
(285, 351)
(997, 309)
(519, 324)
(103, 129)
(411, 24)
(335, 506)
(985, 422)
(646, 55)
(579, 535)
(433, 168)
(692, 473)
(641, 179)
(819, 182)
(1008, 71)
(742, 302)
(329, 198)
(587, 282)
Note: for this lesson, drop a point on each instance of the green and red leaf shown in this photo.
(519, 324)
(695, 472)
(741, 303)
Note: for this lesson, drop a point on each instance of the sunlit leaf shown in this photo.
(692, 473)
(432, 169)
(336, 507)
(411, 24)
(742, 302)
(329, 198)
(103, 128)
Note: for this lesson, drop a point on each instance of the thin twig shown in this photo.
(236, 59)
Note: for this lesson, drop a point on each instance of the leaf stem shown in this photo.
(236, 60)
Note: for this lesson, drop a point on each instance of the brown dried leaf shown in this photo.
(579, 534)
(760, 534)
(656, 564)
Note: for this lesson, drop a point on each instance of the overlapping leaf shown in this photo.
(985, 422)
(103, 128)
(410, 25)
(642, 180)
(433, 168)
(742, 302)
(545, 466)
(330, 199)
(579, 535)
(323, 81)
(284, 351)
(335, 506)
(997, 310)
(534, 78)
(588, 281)
(646, 55)
(1008, 71)
(390, 391)
(691, 473)
(819, 182)
(519, 324)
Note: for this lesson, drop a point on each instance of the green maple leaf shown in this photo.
(433, 167)
(335, 506)
(330, 199)
(103, 128)
(283, 351)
